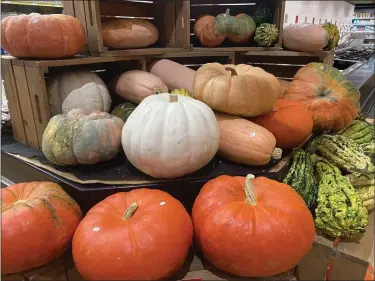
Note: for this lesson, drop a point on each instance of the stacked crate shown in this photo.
(26, 80)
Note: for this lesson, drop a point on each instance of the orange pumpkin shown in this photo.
(42, 36)
(289, 121)
(330, 97)
(144, 234)
(38, 220)
(205, 29)
(257, 227)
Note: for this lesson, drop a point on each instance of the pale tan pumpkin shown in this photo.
(241, 90)
(245, 142)
(136, 85)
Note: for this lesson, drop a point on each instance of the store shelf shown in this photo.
(32, 3)
(363, 18)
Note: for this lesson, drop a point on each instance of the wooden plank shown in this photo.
(182, 24)
(279, 52)
(133, 9)
(79, 9)
(78, 61)
(25, 104)
(256, 50)
(140, 52)
(193, 54)
(13, 277)
(279, 70)
(68, 7)
(93, 23)
(345, 269)
(313, 266)
(13, 101)
(279, 20)
(299, 60)
(39, 99)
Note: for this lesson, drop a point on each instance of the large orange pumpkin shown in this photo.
(144, 234)
(257, 227)
(38, 220)
(331, 98)
(42, 36)
(289, 121)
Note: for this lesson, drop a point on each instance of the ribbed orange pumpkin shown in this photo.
(42, 36)
(257, 228)
(144, 234)
(38, 220)
(330, 97)
(289, 121)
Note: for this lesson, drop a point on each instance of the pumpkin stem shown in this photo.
(173, 98)
(249, 190)
(232, 70)
(277, 153)
(227, 12)
(158, 91)
(130, 211)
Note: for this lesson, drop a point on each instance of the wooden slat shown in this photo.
(13, 277)
(25, 104)
(237, 49)
(13, 101)
(279, 20)
(93, 23)
(193, 54)
(139, 52)
(283, 71)
(39, 99)
(182, 23)
(55, 270)
(277, 59)
(79, 9)
(68, 7)
(133, 9)
(78, 61)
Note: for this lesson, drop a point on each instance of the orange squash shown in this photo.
(128, 33)
(42, 36)
(245, 142)
(241, 90)
(144, 234)
(38, 220)
(253, 227)
(330, 97)
(205, 29)
(289, 121)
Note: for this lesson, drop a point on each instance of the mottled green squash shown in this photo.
(266, 35)
(301, 177)
(124, 110)
(340, 211)
(82, 138)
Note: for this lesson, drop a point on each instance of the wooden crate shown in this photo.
(169, 16)
(283, 64)
(216, 7)
(25, 85)
(195, 268)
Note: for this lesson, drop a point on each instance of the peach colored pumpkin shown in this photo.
(129, 33)
(241, 90)
(42, 36)
(330, 97)
(245, 142)
(136, 85)
(205, 28)
(305, 37)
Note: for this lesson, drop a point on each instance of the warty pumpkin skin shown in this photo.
(42, 36)
(330, 97)
(240, 90)
(135, 85)
(82, 138)
(169, 136)
(78, 89)
(144, 234)
(245, 142)
(253, 229)
(38, 220)
(289, 121)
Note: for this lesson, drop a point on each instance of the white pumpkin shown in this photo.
(168, 136)
(78, 89)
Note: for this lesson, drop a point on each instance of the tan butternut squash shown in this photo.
(245, 142)
(174, 75)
